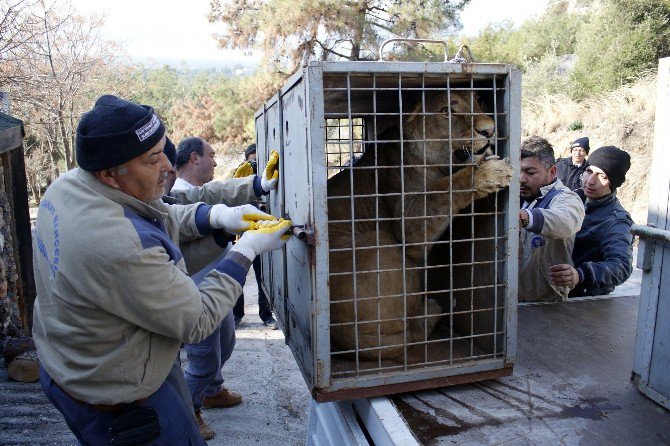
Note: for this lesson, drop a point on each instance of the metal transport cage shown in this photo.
(403, 274)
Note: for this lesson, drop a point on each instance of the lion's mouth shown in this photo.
(464, 156)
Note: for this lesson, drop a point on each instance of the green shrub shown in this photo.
(577, 125)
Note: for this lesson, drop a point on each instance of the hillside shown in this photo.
(623, 118)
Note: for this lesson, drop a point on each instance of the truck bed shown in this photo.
(571, 385)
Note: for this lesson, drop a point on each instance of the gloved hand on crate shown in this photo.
(245, 169)
(265, 236)
(270, 175)
(236, 219)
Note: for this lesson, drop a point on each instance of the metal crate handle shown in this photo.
(387, 41)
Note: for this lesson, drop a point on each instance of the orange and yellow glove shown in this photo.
(271, 173)
(243, 170)
(264, 237)
(236, 219)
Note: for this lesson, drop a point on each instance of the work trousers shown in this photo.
(91, 426)
(205, 359)
(264, 310)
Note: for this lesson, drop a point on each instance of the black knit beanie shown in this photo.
(249, 150)
(582, 142)
(613, 161)
(115, 131)
(170, 151)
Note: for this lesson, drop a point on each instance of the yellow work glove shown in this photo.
(243, 170)
(266, 236)
(271, 173)
(236, 219)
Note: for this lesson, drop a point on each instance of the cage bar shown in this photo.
(398, 288)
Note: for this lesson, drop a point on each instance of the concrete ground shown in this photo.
(275, 408)
(274, 411)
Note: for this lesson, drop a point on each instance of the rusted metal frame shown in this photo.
(444, 313)
(353, 218)
(402, 219)
(415, 218)
(512, 105)
(347, 376)
(412, 386)
(406, 88)
(392, 68)
(382, 270)
(472, 218)
(452, 304)
(377, 219)
(320, 321)
(495, 220)
(425, 212)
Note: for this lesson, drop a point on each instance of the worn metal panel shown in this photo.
(389, 383)
(297, 188)
(652, 353)
(319, 250)
(411, 67)
(332, 424)
(383, 422)
(260, 125)
(275, 259)
(513, 105)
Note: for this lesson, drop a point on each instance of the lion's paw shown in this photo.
(493, 175)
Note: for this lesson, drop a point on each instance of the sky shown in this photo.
(156, 31)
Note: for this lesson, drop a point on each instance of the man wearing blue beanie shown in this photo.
(114, 301)
(570, 170)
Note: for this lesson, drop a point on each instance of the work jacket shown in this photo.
(570, 174)
(548, 241)
(231, 192)
(114, 301)
(603, 253)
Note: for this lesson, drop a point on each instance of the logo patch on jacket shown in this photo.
(537, 241)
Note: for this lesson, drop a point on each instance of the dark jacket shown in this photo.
(603, 252)
(569, 174)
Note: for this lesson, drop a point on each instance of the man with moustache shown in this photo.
(195, 163)
(570, 170)
(195, 166)
(550, 216)
(114, 301)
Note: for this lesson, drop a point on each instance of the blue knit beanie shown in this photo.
(582, 142)
(170, 151)
(116, 131)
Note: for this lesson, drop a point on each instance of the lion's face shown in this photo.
(471, 130)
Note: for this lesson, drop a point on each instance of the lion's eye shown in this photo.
(444, 110)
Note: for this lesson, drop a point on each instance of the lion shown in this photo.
(398, 213)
